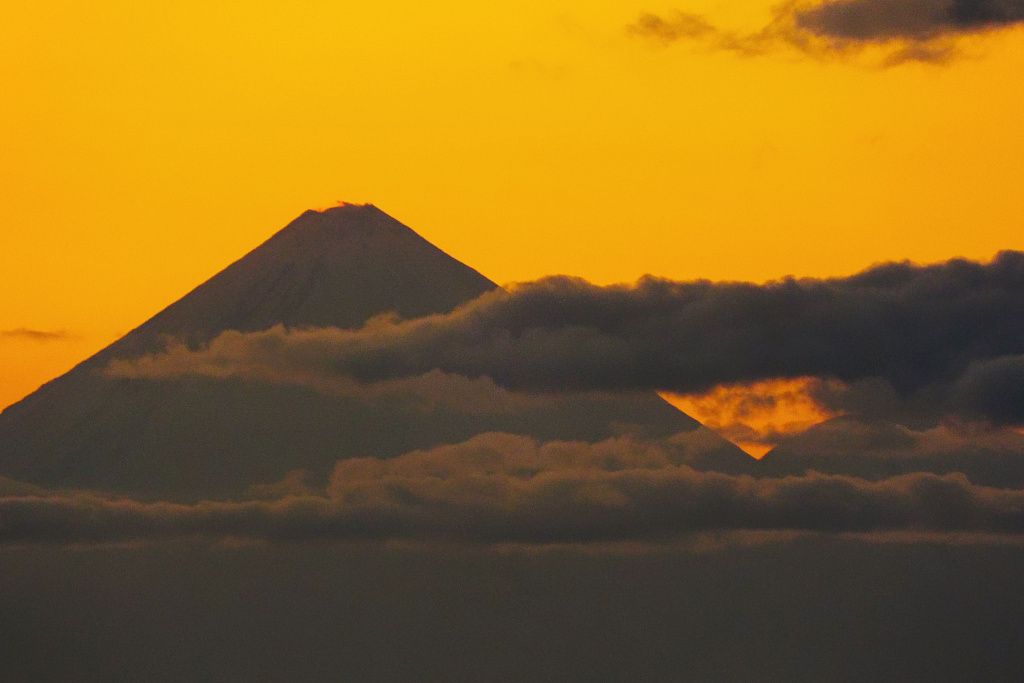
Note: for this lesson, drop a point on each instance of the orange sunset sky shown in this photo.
(144, 146)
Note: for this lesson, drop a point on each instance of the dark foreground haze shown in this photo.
(806, 611)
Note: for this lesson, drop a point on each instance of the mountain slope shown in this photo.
(333, 268)
(195, 437)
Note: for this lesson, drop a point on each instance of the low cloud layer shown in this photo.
(497, 489)
(948, 338)
(911, 30)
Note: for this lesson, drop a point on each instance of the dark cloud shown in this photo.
(500, 489)
(913, 20)
(993, 389)
(36, 335)
(954, 331)
(912, 30)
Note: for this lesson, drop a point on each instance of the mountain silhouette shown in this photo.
(333, 268)
(191, 437)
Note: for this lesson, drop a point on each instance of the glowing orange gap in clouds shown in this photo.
(755, 416)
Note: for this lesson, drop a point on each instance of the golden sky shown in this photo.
(143, 146)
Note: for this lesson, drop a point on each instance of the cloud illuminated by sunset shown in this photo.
(755, 416)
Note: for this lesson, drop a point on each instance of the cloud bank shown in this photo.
(911, 30)
(946, 339)
(499, 489)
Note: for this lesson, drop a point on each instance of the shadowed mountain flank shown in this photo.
(874, 449)
(192, 437)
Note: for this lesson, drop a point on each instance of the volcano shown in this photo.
(192, 437)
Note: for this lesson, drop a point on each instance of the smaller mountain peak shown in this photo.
(347, 208)
(345, 221)
(342, 212)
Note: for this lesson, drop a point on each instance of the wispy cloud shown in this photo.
(37, 335)
(689, 27)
